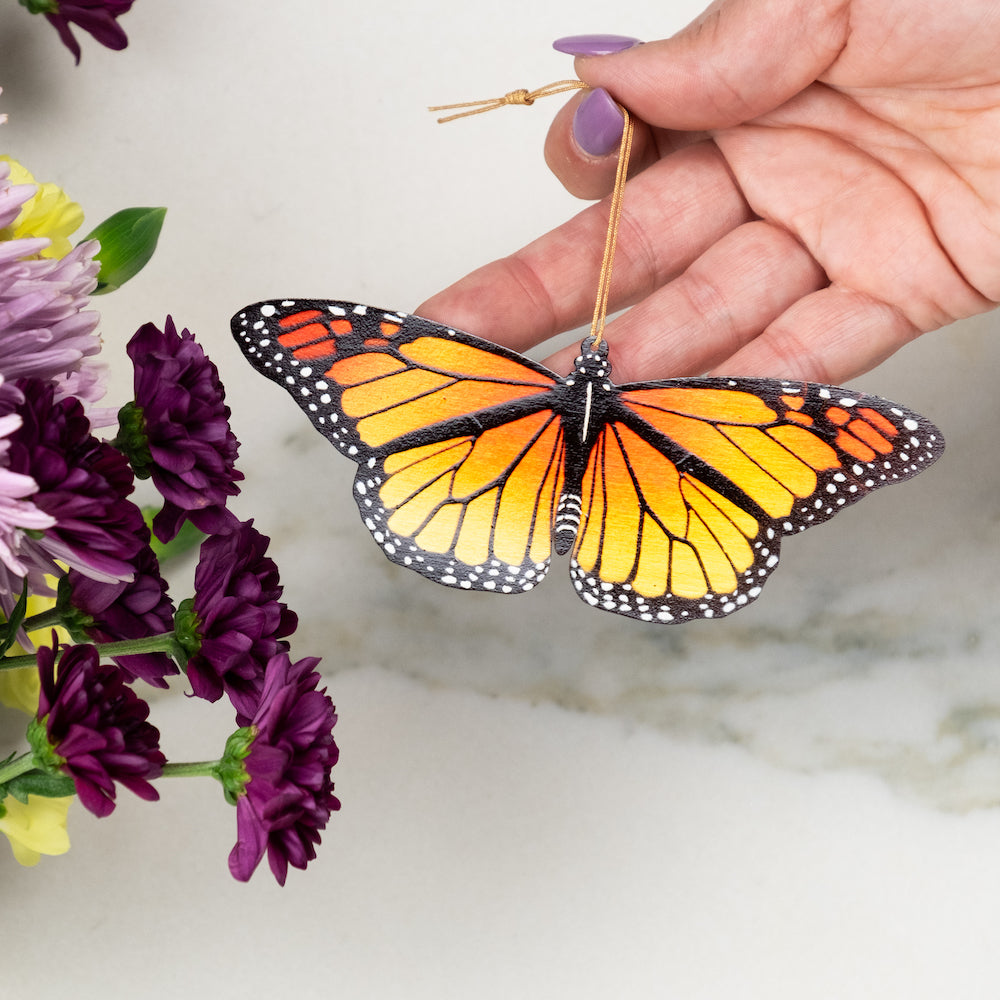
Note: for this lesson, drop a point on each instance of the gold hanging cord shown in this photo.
(528, 97)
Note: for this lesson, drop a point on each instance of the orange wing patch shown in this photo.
(434, 380)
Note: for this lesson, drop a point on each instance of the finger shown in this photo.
(832, 335)
(737, 60)
(725, 298)
(868, 228)
(576, 148)
(672, 213)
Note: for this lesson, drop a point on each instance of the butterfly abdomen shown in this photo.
(567, 522)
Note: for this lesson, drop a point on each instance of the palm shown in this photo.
(805, 232)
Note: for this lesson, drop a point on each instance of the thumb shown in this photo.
(737, 60)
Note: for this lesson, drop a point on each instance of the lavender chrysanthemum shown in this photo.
(129, 610)
(46, 329)
(238, 621)
(177, 431)
(289, 796)
(17, 512)
(96, 728)
(82, 484)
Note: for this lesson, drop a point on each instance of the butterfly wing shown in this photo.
(460, 455)
(691, 485)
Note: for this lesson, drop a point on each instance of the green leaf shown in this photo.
(41, 6)
(128, 239)
(186, 539)
(52, 786)
(14, 621)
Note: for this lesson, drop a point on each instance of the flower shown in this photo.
(19, 687)
(92, 727)
(47, 329)
(17, 513)
(232, 626)
(135, 609)
(12, 198)
(35, 827)
(82, 485)
(288, 795)
(48, 212)
(177, 430)
(94, 16)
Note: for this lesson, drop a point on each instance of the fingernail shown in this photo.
(594, 45)
(598, 124)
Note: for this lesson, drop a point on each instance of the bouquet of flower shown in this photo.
(87, 616)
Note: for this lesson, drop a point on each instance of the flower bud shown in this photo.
(128, 239)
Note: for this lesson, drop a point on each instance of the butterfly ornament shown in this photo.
(474, 462)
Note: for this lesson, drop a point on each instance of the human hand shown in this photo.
(812, 186)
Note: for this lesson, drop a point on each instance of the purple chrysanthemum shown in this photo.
(82, 483)
(96, 727)
(237, 620)
(177, 431)
(289, 796)
(95, 16)
(129, 610)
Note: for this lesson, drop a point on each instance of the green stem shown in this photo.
(196, 769)
(44, 619)
(164, 643)
(16, 662)
(16, 768)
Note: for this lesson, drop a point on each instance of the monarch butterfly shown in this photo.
(473, 461)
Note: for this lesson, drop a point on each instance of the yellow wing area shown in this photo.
(475, 507)
(426, 381)
(656, 531)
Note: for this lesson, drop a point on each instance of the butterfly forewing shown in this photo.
(460, 460)
(797, 453)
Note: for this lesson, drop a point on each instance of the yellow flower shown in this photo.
(40, 826)
(19, 688)
(36, 828)
(49, 212)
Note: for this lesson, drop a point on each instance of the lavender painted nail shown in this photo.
(598, 124)
(594, 45)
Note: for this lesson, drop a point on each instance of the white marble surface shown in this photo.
(540, 800)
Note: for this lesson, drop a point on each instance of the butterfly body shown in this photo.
(475, 462)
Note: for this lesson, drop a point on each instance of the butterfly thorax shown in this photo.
(586, 395)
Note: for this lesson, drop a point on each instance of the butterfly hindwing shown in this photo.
(691, 486)
(473, 511)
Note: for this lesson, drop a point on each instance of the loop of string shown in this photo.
(527, 98)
